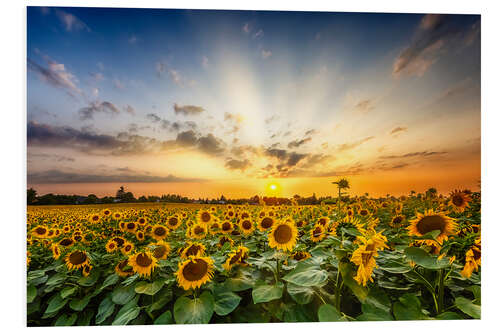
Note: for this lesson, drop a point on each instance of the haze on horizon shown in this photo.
(203, 103)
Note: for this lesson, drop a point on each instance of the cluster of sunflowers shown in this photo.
(342, 253)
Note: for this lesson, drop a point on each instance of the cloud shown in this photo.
(61, 177)
(271, 119)
(209, 144)
(415, 154)
(71, 22)
(365, 105)
(97, 77)
(235, 117)
(129, 109)
(176, 77)
(88, 112)
(188, 110)
(56, 75)
(233, 164)
(160, 68)
(352, 145)
(169, 126)
(118, 84)
(311, 132)
(187, 138)
(398, 129)
(265, 54)
(258, 34)
(286, 158)
(153, 117)
(434, 34)
(246, 28)
(51, 157)
(298, 143)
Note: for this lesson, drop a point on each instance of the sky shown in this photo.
(203, 103)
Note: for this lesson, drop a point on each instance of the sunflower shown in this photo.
(139, 235)
(66, 229)
(300, 255)
(117, 216)
(76, 259)
(236, 256)
(283, 236)
(227, 227)
(94, 218)
(159, 232)
(397, 221)
(195, 272)
(122, 225)
(143, 263)
(77, 237)
(324, 221)
(364, 258)
(317, 233)
(86, 270)
(214, 228)
(459, 200)
(265, 223)
(40, 231)
(223, 240)
(430, 221)
(127, 248)
(173, 222)
(204, 216)
(161, 250)
(106, 212)
(66, 242)
(119, 240)
(246, 226)
(123, 269)
(363, 212)
(131, 227)
(193, 249)
(56, 252)
(472, 259)
(142, 221)
(198, 231)
(111, 246)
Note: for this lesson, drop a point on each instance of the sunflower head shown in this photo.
(235, 257)
(397, 221)
(194, 272)
(214, 228)
(204, 216)
(173, 222)
(430, 221)
(123, 269)
(300, 255)
(143, 263)
(159, 232)
(76, 259)
(111, 246)
(40, 231)
(317, 233)
(246, 226)
(226, 227)
(283, 236)
(127, 248)
(223, 240)
(86, 270)
(199, 231)
(459, 200)
(161, 250)
(193, 249)
(265, 223)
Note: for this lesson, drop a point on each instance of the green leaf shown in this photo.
(164, 319)
(85, 318)
(126, 316)
(66, 320)
(194, 311)
(56, 302)
(393, 266)
(31, 293)
(56, 279)
(68, 291)
(307, 275)
(301, 295)
(466, 306)
(328, 312)
(225, 302)
(80, 304)
(122, 295)
(424, 259)
(90, 280)
(449, 316)
(110, 280)
(408, 308)
(431, 235)
(147, 288)
(373, 313)
(347, 272)
(106, 308)
(240, 283)
(162, 298)
(296, 313)
(264, 292)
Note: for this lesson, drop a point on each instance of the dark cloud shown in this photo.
(188, 110)
(311, 132)
(285, 158)
(398, 129)
(169, 126)
(51, 157)
(88, 112)
(295, 158)
(271, 119)
(210, 144)
(434, 33)
(298, 143)
(187, 138)
(129, 109)
(61, 177)
(233, 164)
(56, 75)
(352, 145)
(415, 154)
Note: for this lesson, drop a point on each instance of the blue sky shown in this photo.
(179, 98)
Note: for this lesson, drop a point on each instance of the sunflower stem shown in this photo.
(338, 286)
(441, 291)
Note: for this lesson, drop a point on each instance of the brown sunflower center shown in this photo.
(128, 248)
(198, 230)
(235, 257)
(143, 260)
(397, 220)
(317, 232)
(130, 225)
(66, 242)
(214, 226)
(322, 221)
(363, 212)
(95, 217)
(124, 264)
(299, 256)
(267, 222)
(40, 230)
(283, 234)
(205, 216)
(193, 250)
(160, 231)
(430, 223)
(173, 221)
(245, 215)
(247, 225)
(160, 251)
(119, 241)
(457, 200)
(77, 257)
(195, 270)
(476, 250)
(226, 226)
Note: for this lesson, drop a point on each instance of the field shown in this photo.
(407, 258)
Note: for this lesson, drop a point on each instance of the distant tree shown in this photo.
(142, 199)
(128, 197)
(31, 196)
(120, 193)
(91, 199)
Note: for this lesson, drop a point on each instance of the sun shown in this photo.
(273, 189)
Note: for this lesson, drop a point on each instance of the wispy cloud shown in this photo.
(399, 129)
(71, 22)
(265, 54)
(88, 112)
(188, 110)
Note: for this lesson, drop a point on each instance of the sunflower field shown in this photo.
(416, 257)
